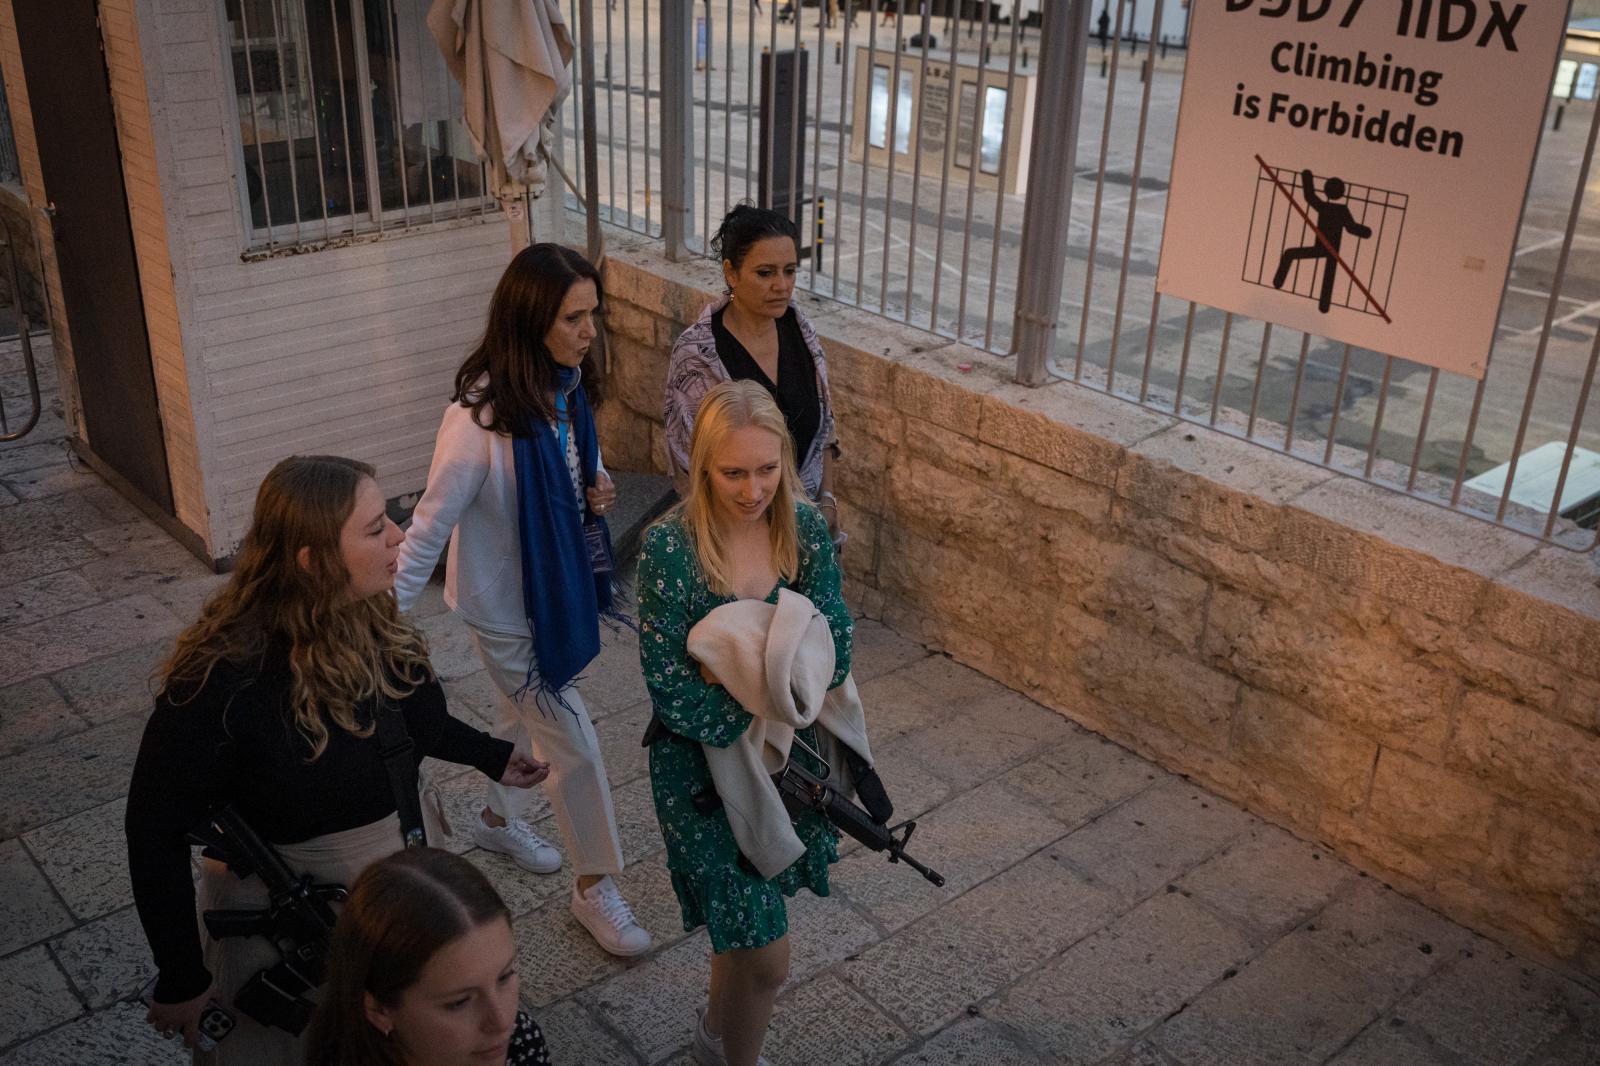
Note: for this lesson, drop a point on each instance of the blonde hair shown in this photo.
(730, 406)
(341, 653)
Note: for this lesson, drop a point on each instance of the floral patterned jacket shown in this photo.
(695, 367)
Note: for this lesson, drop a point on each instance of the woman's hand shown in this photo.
(524, 772)
(708, 676)
(180, 1019)
(603, 495)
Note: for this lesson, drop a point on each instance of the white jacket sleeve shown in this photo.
(460, 465)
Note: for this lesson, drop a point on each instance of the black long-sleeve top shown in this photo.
(235, 743)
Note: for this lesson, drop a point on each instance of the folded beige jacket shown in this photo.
(776, 660)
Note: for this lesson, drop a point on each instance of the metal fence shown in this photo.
(938, 227)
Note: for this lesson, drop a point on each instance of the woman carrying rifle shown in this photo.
(269, 704)
(743, 531)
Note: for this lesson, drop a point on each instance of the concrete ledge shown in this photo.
(1417, 689)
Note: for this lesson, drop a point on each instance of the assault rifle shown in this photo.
(297, 919)
(803, 790)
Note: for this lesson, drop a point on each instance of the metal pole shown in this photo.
(1063, 42)
(677, 126)
(591, 150)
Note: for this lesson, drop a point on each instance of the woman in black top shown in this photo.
(266, 705)
(423, 972)
(758, 334)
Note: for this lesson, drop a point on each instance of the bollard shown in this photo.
(838, 52)
(1144, 70)
(822, 211)
(1163, 46)
(1556, 122)
(1102, 66)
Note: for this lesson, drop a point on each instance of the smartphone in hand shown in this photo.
(215, 1021)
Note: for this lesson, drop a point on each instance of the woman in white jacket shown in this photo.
(517, 490)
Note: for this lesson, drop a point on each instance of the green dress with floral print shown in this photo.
(714, 888)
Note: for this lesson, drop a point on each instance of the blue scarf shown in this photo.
(562, 596)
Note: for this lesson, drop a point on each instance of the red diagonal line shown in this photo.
(1324, 241)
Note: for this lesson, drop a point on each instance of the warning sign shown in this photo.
(1363, 162)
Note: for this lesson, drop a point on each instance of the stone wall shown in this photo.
(1417, 689)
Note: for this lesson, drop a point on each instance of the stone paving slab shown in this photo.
(1098, 908)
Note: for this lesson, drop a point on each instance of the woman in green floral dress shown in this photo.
(742, 532)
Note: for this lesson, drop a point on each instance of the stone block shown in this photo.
(107, 959)
(1492, 1008)
(1541, 880)
(1299, 761)
(982, 741)
(68, 775)
(1130, 586)
(968, 840)
(828, 1021)
(1142, 680)
(896, 706)
(970, 1042)
(1057, 499)
(119, 684)
(928, 395)
(1323, 544)
(1153, 839)
(1580, 704)
(624, 319)
(1522, 754)
(1528, 609)
(624, 757)
(1028, 427)
(34, 523)
(1338, 674)
(29, 909)
(37, 996)
(85, 858)
(19, 457)
(1292, 1004)
(20, 564)
(652, 1004)
(1389, 940)
(49, 481)
(637, 827)
(574, 1035)
(1429, 812)
(1239, 517)
(948, 509)
(930, 444)
(1105, 990)
(927, 974)
(1391, 1042)
(877, 650)
(1485, 662)
(33, 713)
(523, 892)
(81, 635)
(1083, 774)
(614, 681)
(1268, 882)
(118, 1034)
(140, 534)
(637, 376)
(824, 930)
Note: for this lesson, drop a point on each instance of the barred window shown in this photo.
(349, 121)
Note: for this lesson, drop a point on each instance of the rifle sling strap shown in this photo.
(397, 751)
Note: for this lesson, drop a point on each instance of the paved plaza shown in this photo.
(1098, 909)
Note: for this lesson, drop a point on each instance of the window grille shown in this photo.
(321, 158)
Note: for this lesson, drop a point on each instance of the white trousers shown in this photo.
(577, 786)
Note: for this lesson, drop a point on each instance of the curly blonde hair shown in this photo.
(726, 407)
(342, 653)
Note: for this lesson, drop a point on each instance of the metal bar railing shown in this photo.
(1416, 429)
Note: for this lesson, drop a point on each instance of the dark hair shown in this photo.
(745, 225)
(402, 910)
(521, 374)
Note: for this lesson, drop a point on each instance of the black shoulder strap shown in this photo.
(396, 749)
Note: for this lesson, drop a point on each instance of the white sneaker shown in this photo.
(607, 916)
(707, 1046)
(518, 840)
